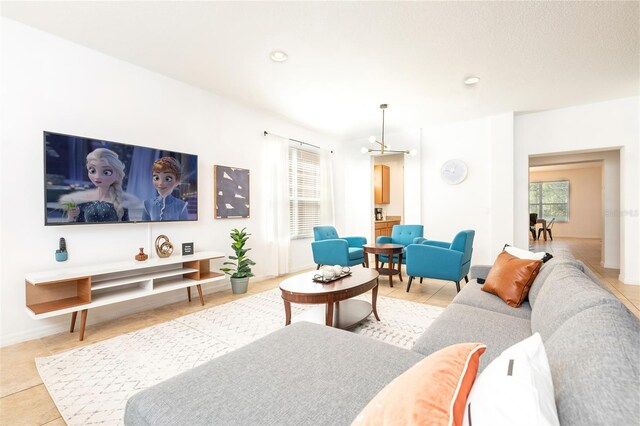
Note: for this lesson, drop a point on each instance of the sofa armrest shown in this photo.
(331, 252)
(419, 240)
(433, 262)
(479, 271)
(435, 243)
(384, 240)
(355, 241)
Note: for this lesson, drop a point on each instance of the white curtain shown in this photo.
(276, 203)
(327, 212)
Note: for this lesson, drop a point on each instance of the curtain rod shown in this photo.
(294, 140)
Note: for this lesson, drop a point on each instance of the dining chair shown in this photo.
(533, 218)
(549, 226)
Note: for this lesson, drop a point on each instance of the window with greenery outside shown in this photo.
(550, 200)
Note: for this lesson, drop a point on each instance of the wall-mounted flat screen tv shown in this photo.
(95, 181)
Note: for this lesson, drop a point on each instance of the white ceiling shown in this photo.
(346, 58)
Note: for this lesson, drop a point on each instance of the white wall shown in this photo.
(448, 209)
(500, 128)
(601, 126)
(483, 201)
(356, 193)
(51, 84)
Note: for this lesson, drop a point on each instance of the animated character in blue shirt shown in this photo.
(166, 178)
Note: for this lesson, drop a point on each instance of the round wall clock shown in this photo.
(453, 171)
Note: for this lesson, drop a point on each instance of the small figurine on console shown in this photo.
(61, 253)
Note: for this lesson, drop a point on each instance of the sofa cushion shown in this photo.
(461, 323)
(299, 375)
(510, 278)
(472, 295)
(567, 292)
(433, 391)
(356, 253)
(594, 364)
(545, 271)
(515, 389)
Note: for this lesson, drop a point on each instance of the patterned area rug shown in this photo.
(91, 385)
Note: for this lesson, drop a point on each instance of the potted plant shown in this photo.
(240, 271)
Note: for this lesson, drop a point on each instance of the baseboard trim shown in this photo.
(621, 278)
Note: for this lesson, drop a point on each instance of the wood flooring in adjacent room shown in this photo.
(25, 400)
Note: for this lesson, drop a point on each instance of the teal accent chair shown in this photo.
(401, 234)
(441, 260)
(330, 249)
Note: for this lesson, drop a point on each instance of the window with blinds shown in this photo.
(304, 192)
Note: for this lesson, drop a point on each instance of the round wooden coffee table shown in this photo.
(339, 309)
(388, 250)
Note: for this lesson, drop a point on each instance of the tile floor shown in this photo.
(25, 401)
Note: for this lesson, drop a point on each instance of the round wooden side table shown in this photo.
(389, 250)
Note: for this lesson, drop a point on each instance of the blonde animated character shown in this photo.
(108, 202)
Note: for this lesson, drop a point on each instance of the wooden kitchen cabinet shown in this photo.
(381, 181)
(384, 227)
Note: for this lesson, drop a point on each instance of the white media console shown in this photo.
(79, 289)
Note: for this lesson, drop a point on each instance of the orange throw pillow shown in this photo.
(433, 392)
(510, 278)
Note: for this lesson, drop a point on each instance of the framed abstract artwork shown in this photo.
(231, 185)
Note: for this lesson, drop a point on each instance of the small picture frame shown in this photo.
(187, 249)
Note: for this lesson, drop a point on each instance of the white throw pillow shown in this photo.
(514, 389)
(524, 254)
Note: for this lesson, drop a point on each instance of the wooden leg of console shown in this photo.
(74, 315)
(83, 322)
(200, 294)
(189, 293)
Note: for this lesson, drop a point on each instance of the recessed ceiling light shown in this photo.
(470, 81)
(278, 56)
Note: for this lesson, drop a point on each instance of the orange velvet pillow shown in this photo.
(510, 278)
(434, 391)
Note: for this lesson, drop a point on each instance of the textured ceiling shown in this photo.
(348, 57)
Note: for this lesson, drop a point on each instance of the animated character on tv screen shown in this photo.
(108, 202)
(166, 177)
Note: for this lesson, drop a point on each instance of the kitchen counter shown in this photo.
(383, 227)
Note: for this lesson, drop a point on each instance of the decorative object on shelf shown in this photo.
(231, 192)
(164, 248)
(382, 147)
(142, 256)
(187, 249)
(61, 253)
(331, 273)
(241, 270)
(453, 171)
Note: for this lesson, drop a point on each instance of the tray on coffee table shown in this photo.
(318, 278)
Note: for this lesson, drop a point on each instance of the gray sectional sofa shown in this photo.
(308, 374)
